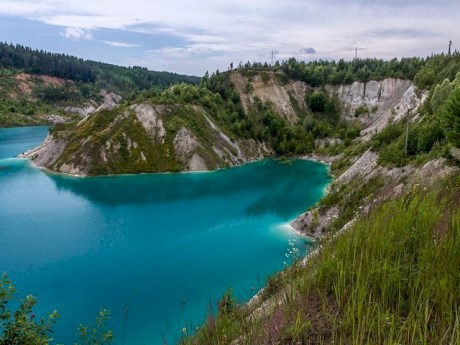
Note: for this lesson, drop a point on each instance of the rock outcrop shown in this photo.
(267, 87)
(185, 147)
(379, 101)
(47, 153)
(144, 138)
(385, 100)
(109, 101)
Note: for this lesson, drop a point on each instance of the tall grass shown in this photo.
(394, 278)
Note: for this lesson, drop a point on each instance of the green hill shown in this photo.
(35, 84)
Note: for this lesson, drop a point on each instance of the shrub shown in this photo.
(361, 110)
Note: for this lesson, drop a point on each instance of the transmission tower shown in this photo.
(450, 45)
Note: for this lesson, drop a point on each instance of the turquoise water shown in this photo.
(162, 246)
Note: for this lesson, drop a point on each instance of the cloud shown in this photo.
(120, 44)
(217, 33)
(77, 34)
(23, 8)
(401, 32)
(309, 50)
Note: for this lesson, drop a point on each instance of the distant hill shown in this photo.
(35, 85)
(121, 80)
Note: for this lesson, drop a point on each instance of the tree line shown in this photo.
(424, 71)
(116, 78)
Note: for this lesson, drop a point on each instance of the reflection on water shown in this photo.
(163, 244)
(282, 181)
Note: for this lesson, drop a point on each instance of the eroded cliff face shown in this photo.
(109, 101)
(144, 138)
(385, 100)
(267, 87)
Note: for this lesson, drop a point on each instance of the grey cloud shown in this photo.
(309, 50)
(402, 32)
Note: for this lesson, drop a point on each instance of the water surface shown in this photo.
(162, 247)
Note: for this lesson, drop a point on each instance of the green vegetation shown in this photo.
(22, 327)
(122, 80)
(35, 83)
(349, 198)
(439, 127)
(391, 279)
(361, 110)
(426, 72)
(182, 105)
(23, 100)
(436, 69)
(322, 72)
(319, 120)
(185, 105)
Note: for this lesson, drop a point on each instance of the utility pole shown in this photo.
(407, 130)
(356, 53)
(273, 57)
(450, 45)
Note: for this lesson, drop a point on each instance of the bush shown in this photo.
(392, 155)
(317, 101)
(361, 110)
(388, 135)
(428, 135)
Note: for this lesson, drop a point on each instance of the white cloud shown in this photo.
(221, 32)
(24, 8)
(120, 44)
(77, 34)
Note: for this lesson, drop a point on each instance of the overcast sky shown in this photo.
(194, 36)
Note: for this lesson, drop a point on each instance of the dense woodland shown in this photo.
(122, 80)
(82, 81)
(425, 71)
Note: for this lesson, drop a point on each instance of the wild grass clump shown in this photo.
(393, 275)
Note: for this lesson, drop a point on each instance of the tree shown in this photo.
(317, 101)
(22, 327)
(440, 94)
(451, 117)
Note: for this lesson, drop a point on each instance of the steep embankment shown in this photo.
(144, 138)
(287, 99)
(376, 102)
(373, 104)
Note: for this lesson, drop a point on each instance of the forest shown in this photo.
(122, 80)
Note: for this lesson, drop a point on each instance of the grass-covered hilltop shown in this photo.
(386, 265)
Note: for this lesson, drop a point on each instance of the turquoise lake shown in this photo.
(154, 249)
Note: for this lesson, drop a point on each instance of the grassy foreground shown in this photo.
(393, 278)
